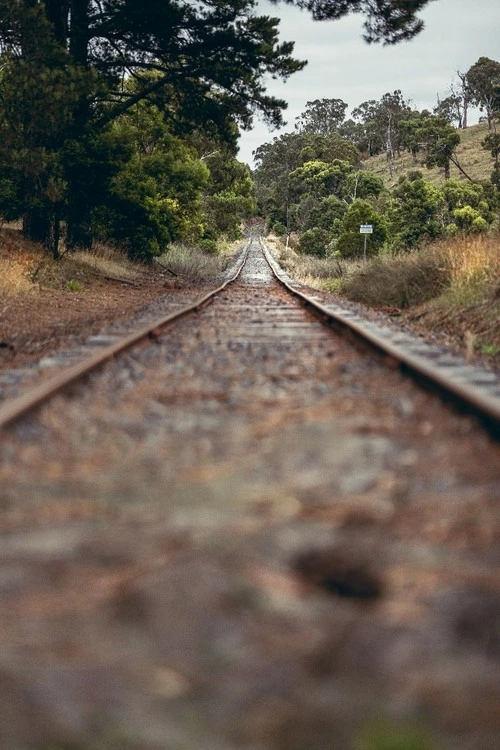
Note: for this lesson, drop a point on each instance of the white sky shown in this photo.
(341, 65)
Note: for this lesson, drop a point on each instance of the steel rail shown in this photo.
(467, 396)
(26, 402)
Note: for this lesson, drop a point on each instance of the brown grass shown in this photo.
(451, 287)
(315, 272)
(192, 264)
(25, 266)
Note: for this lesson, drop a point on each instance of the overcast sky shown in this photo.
(342, 66)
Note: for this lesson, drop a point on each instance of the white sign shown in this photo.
(366, 228)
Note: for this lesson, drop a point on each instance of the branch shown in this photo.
(457, 164)
(124, 106)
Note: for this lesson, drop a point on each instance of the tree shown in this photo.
(319, 178)
(483, 80)
(416, 210)
(440, 140)
(381, 124)
(369, 139)
(322, 117)
(411, 132)
(155, 195)
(463, 92)
(276, 160)
(229, 195)
(390, 21)
(172, 52)
(350, 243)
(450, 108)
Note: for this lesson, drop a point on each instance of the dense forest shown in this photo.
(119, 121)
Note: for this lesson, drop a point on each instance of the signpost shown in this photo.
(365, 229)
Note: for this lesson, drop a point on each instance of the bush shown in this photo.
(350, 243)
(403, 281)
(208, 245)
(314, 242)
(279, 228)
(192, 263)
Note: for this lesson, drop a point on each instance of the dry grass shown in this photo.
(451, 287)
(13, 279)
(106, 261)
(25, 266)
(192, 264)
(315, 272)
(475, 160)
(16, 260)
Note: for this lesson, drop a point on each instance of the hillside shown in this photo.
(475, 160)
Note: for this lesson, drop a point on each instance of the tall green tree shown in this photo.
(351, 242)
(172, 50)
(322, 117)
(416, 210)
(483, 79)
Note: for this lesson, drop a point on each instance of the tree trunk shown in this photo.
(57, 14)
(79, 225)
(36, 225)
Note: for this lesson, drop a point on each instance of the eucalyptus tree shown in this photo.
(483, 79)
(322, 117)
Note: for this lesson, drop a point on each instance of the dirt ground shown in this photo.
(40, 323)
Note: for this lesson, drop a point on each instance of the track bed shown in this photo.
(248, 534)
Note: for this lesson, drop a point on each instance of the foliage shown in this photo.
(483, 80)
(63, 68)
(439, 139)
(351, 242)
(322, 117)
(380, 123)
(415, 211)
(229, 194)
(282, 179)
(320, 178)
(390, 21)
(314, 242)
(155, 196)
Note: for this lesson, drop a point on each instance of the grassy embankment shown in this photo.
(25, 266)
(452, 286)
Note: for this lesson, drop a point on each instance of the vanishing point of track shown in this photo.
(469, 388)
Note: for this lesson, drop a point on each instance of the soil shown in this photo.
(45, 320)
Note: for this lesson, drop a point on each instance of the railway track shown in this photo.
(468, 387)
(249, 534)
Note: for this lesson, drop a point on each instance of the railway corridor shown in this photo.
(249, 535)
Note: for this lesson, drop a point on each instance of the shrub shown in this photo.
(279, 228)
(314, 241)
(402, 281)
(350, 243)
